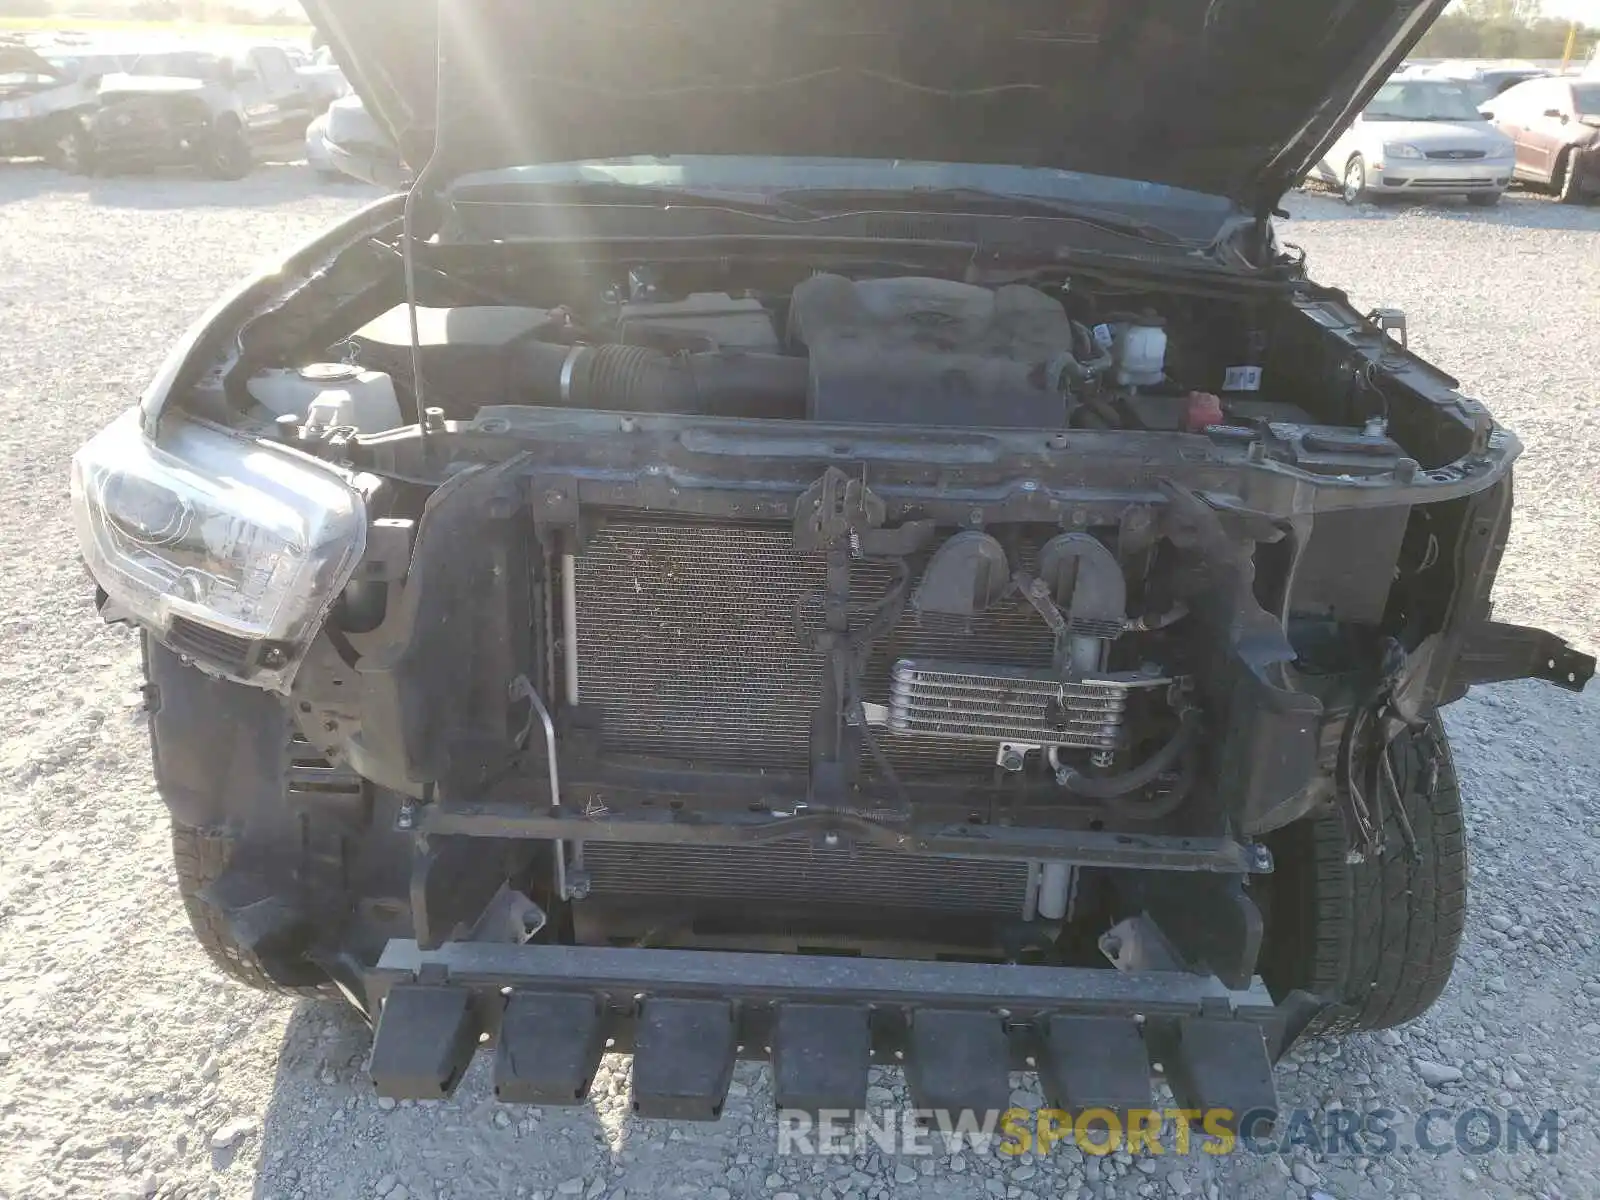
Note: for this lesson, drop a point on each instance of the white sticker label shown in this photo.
(1103, 336)
(1241, 379)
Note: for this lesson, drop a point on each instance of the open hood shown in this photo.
(1235, 98)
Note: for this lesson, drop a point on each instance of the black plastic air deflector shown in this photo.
(549, 1048)
(958, 1060)
(820, 1056)
(683, 1057)
(425, 1039)
(1218, 1063)
(1095, 1062)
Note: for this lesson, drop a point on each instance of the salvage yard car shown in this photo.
(1555, 127)
(189, 107)
(1420, 136)
(847, 540)
(41, 98)
(346, 143)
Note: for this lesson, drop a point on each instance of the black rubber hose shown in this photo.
(640, 379)
(1153, 810)
(1112, 787)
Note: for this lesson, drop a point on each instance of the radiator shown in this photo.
(798, 871)
(694, 643)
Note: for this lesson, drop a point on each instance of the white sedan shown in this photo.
(1420, 136)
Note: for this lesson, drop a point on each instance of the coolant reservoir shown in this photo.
(1139, 351)
(328, 395)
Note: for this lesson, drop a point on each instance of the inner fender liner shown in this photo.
(220, 750)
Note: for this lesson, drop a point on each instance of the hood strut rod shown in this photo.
(408, 249)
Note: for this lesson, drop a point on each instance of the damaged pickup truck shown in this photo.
(828, 533)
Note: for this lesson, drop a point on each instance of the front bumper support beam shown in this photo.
(687, 1016)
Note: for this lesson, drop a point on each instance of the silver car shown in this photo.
(1420, 136)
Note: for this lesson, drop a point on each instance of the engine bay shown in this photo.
(909, 351)
(930, 612)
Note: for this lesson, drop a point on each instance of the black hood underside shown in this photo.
(1228, 97)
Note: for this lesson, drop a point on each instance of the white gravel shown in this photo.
(128, 1068)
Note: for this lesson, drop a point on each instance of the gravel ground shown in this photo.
(128, 1068)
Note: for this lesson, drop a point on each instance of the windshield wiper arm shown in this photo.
(977, 202)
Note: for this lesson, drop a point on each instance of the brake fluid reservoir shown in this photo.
(1139, 351)
(330, 395)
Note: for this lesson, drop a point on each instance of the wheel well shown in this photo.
(1558, 169)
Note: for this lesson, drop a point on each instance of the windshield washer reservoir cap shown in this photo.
(329, 372)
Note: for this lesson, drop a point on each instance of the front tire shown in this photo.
(223, 757)
(1564, 181)
(201, 856)
(70, 148)
(227, 154)
(1354, 189)
(1377, 940)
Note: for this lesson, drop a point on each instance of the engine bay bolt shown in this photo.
(1260, 857)
(975, 517)
(1029, 485)
(1080, 517)
(830, 840)
(273, 656)
(1058, 441)
(1257, 452)
(1405, 471)
(1011, 759)
(406, 818)
(433, 419)
(627, 424)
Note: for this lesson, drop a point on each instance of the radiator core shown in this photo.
(797, 871)
(694, 643)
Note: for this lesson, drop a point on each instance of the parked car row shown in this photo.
(96, 111)
(1427, 133)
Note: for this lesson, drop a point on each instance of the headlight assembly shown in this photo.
(1400, 150)
(248, 542)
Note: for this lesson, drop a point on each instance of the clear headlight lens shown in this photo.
(1400, 150)
(250, 541)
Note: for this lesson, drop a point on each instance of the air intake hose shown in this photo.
(641, 379)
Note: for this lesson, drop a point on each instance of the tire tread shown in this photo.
(1379, 939)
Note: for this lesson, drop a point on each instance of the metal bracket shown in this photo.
(1390, 320)
(553, 500)
(1494, 652)
(1013, 756)
(510, 918)
(1137, 944)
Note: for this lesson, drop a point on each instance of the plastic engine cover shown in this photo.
(913, 351)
